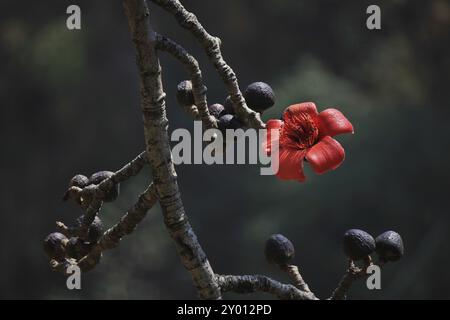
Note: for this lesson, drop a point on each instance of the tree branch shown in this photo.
(99, 191)
(211, 45)
(125, 226)
(159, 152)
(192, 66)
(352, 274)
(294, 273)
(254, 283)
(90, 197)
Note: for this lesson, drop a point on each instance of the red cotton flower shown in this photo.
(306, 134)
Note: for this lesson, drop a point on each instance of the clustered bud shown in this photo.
(79, 181)
(228, 121)
(54, 246)
(259, 96)
(57, 246)
(389, 246)
(279, 250)
(98, 177)
(358, 244)
(216, 110)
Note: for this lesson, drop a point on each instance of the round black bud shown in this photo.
(389, 246)
(216, 110)
(228, 105)
(185, 96)
(98, 177)
(279, 250)
(77, 249)
(228, 121)
(54, 246)
(259, 96)
(358, 244)
(79, 181)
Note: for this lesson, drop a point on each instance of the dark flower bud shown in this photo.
(185, 96)
(279, 250)
(358, 244)
(259, 96)
(389, 246)
(79, 181)
(228, 121)
(54, 246)
(77, 248)
(216, 110)
(228, 105)
(98, 177)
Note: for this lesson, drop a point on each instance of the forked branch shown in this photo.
(212, 45)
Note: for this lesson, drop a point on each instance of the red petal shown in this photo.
(305, 107)
(332, 122)
(290, 166)
(326, 155)
(272, 124)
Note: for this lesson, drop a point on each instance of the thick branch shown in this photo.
(191, 64)
(159, 152)
(254, 283)
(212, 47)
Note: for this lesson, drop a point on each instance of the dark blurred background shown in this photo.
(70, 104)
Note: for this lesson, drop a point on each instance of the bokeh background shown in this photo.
(70, 104)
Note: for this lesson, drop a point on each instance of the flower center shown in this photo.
(299, 131)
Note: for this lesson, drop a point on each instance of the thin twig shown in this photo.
(211, 45)
(352, 274)
(99, 191)
(294, 273)
(125, 226)
(193, 68)
(90, 197)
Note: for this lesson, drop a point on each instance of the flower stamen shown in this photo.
(299, 132)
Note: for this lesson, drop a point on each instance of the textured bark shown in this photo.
(90, 197)
(253, 283)
(352, 274)
(159, 154)
(294, 273)
(212, 45)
